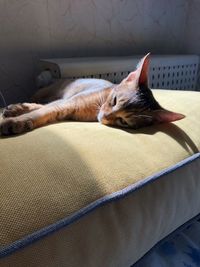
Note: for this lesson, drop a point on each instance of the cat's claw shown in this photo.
(12, 126)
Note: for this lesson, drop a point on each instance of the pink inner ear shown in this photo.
(131, 76)
(140, 75)
(167, 116)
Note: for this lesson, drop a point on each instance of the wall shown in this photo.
(33, 29)
(192, 31)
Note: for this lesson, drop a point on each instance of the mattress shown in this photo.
(83, 194)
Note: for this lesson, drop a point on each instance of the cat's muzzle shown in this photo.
(101, 118)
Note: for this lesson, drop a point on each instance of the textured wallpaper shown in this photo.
(192, 37)
(33, 29)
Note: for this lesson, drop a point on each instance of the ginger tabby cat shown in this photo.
(128, 104)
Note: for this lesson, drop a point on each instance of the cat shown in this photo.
(128, 104)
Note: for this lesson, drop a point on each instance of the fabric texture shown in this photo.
(54, 172)
(180, 249)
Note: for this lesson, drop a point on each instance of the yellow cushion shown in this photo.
(52, 176)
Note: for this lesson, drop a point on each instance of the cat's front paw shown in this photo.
(13, 110)
(12, 126)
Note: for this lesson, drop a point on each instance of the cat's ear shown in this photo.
(140, 75)
(163, 115)
(142, 70)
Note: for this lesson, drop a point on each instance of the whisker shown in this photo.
(4, 101)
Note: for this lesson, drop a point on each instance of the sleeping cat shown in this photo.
(128, 104)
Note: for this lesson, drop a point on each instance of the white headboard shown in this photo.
(166, 71)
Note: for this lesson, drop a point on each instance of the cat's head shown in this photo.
(131, 103)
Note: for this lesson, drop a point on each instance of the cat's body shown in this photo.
(87, 96)
(67, 88)
(128, 104)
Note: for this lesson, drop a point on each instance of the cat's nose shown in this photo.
(108, 117)
(102, 118)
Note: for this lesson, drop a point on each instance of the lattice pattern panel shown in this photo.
(170, 77)
(182, 76)
(166, 72)
(115, 77)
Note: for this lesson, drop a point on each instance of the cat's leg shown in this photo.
(19, 109)
(56, 111)
(49, 93)
(44, 95)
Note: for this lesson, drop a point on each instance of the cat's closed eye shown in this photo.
(114, 101)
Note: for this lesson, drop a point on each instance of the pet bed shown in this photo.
(83, 194)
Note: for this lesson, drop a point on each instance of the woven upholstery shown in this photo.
(54, 172)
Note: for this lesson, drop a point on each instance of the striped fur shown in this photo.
(128, 104)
